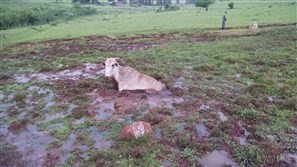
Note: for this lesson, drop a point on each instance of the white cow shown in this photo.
(128, 78)
(255, 25)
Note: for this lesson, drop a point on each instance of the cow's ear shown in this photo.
(119, 60)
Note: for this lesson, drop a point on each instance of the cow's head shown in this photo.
(111, 67)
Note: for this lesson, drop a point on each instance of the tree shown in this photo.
(231, 5)
(204, 3)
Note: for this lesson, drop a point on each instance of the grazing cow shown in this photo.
(128, 78)
(255, 25)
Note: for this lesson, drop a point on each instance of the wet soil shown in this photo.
(77, 110)
(40, 147)
(65, 47)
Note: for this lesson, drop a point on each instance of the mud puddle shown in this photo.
(217, 158)
(163, 99)
(180, 82)
(99, 138)
(31, 143)
(104, 105)
(293, 157)
(243, 139)
(88, 70)
(222, 116)
(33, 98)
(158, 132)
(180, 127)
(201, 130)
(120, 106)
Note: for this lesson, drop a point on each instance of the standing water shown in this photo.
(217, 158)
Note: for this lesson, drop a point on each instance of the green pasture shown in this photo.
(125, 20)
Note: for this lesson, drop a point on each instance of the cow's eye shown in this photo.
(112, 65)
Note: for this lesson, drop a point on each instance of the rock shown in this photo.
(92, 113)
(135, 130)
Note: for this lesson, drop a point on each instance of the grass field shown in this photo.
(118, 21)
(231, 95)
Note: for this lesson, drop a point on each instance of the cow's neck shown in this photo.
(117, 74)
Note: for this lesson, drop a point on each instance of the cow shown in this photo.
(255, 25)
(128, 78)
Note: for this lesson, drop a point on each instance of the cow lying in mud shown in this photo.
(128, 78)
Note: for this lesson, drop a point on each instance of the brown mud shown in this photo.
(64, 47)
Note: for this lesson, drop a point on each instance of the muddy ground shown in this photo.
(68, 113)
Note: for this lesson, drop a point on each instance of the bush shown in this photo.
(11, 18)
(167, 8)
(231, 5)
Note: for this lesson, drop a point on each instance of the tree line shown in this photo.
(11, 18)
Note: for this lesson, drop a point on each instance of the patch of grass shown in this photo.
(138, 152)
(63, 132)
(79, 112)
(290, 104)
(249, 155)
(190, 155)
(112, 127)
(250, 114)
(20, 98)
(87, 123)
(280, 121)
(40, 106)
(80, 100)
